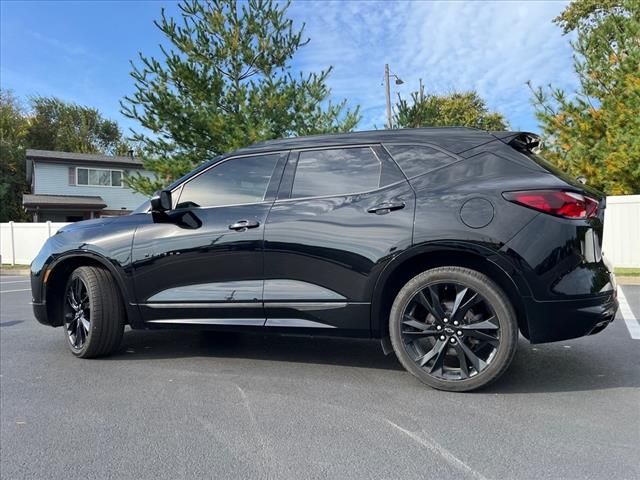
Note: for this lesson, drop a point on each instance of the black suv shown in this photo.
(444, 243)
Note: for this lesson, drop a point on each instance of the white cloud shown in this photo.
(492, 47)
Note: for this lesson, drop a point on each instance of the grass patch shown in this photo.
(627, 272)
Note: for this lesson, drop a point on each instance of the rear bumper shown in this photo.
(552, 321)
(40, 312)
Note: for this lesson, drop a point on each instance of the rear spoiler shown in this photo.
(527, 141)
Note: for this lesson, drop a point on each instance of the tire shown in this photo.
(93, 313)
(482, 343)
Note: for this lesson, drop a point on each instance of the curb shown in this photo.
(621, 280)
(15, 271)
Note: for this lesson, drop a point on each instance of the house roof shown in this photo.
(62, 201)
(82, 158)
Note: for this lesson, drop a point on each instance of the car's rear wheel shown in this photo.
(93, 313)
(453, 328)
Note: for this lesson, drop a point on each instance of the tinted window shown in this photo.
(335, 172)
(415, 159)
(242, 180)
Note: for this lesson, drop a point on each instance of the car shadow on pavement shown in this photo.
(578, 365)
(558, 367)
(348, 352)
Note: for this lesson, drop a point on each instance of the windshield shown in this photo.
(143, 208)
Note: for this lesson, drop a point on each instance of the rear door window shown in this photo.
(340, 171)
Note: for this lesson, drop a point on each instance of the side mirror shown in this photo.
(161, 202)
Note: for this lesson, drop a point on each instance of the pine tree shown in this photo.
(596, 133)
(224, 82)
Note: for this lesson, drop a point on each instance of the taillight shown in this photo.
(555, 202)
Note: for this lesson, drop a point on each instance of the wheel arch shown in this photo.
(62, 267)
(425, 257)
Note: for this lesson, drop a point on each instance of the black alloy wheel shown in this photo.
(77, 313)
(453, 328)
(450, 331)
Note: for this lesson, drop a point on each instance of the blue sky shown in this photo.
(80, 50)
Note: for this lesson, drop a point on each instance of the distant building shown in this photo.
(68, 187)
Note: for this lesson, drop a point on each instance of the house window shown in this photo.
(99, 177)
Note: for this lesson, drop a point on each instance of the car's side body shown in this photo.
(332, 264)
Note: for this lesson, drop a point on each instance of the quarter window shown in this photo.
(236, 181)
(415, 160)
(99, 177)
(336, 171)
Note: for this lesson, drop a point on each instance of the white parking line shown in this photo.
(11, 291)
(438, 449)
(629, 318)
(16, 281)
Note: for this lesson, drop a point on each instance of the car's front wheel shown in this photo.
(453, 328)
(93, 313)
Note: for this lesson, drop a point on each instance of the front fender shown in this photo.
(68, 250)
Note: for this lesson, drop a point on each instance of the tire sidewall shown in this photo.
(491, 293)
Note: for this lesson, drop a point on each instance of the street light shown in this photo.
(398, 81)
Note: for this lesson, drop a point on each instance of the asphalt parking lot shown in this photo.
(186, 405)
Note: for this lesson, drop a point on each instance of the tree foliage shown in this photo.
(13, 130)
(465, 109)
(59, 125)
(47, 124)
(596, 133)
(223, 82)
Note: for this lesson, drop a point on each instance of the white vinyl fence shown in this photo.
(20, 242)
(621, 243)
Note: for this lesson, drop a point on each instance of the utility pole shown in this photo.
(387, 88)
(388, 92)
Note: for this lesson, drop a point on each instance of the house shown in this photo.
(67, 187)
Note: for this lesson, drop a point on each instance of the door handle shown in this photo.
(242, 225)
(385, 208)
